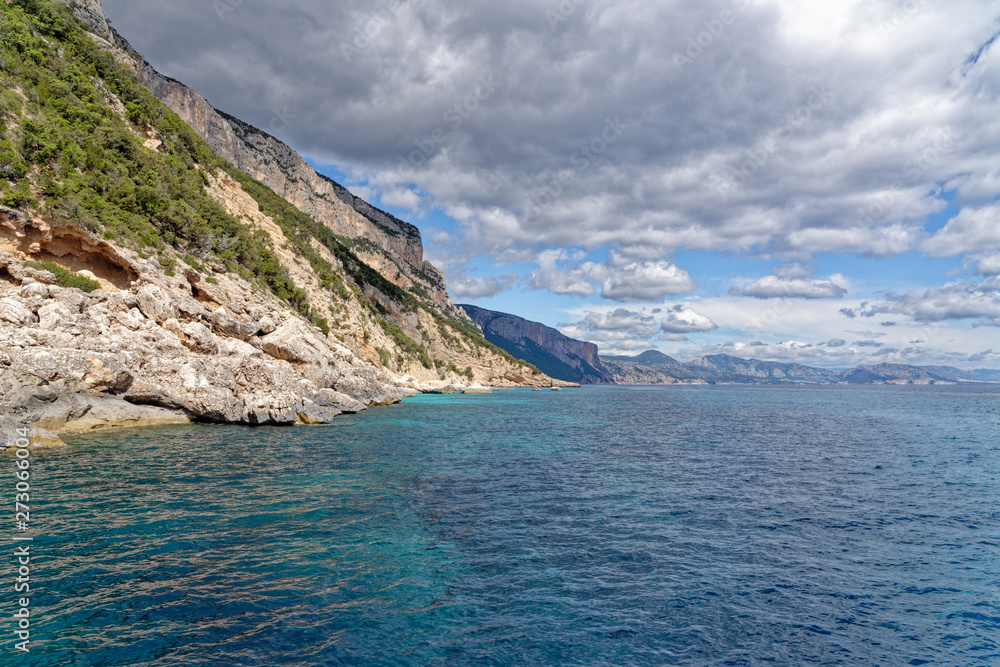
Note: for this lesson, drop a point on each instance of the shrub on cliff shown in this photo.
(65, 277)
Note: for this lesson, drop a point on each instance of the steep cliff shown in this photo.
(391, 246)
(128, 243)
(425, 334)
(549, 350)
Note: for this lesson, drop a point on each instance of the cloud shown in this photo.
(973, 230)
(625, 346)
(980, 357)
(645, 281)
(622, 278)
(792, 271)
(989, 266)
(790, 281)
(868, 334)
(474, 287)
(962, 300)
(624, 329)
(843, 155)
(868, 343)
(684, 320)
(555, 275)
(622, 321)
(770, 287)
(836, 342)
(402, 198)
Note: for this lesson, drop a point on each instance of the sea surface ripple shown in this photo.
(600, 526)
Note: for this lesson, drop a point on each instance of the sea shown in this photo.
(596, 526)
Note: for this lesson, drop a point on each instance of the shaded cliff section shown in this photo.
(546, 348)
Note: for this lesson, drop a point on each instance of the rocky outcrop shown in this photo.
(546, 348)
(148, 348)
(90, 12)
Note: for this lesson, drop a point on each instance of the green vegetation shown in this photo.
(467, 373)
(65, 277)
(92, 168)
(194, 264)
(323, 324)
(472, 335)
(406, 344)
(66, 152)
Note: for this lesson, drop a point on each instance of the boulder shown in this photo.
(341, 403)
(128, 321)
(34, 290)
(156, 304)
(295, 342)
(55, 315)
(267, 325)
(199, 339)
(15, 312)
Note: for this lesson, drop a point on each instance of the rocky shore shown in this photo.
(149, 348)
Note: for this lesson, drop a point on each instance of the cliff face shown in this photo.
(145, 279)
(549, 350)
(392, 247)
(283, 170)
(139, 347)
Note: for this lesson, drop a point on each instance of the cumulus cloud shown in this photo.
(973, 230)
(403, 198)
(836, 342)
(645, 281)
(962, 300)
(790, 281)
(622, 321)
(684, 320)
(474, 287)
(556, 274)
(989, 266)
(770, 287)
(621, 279)
(625, 329)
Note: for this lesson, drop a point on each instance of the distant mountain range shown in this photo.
(573, 360)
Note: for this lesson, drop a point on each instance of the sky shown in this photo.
(786, 180)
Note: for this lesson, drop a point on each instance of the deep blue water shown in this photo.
(601, 526)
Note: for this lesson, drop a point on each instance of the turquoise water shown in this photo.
(601, 526)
